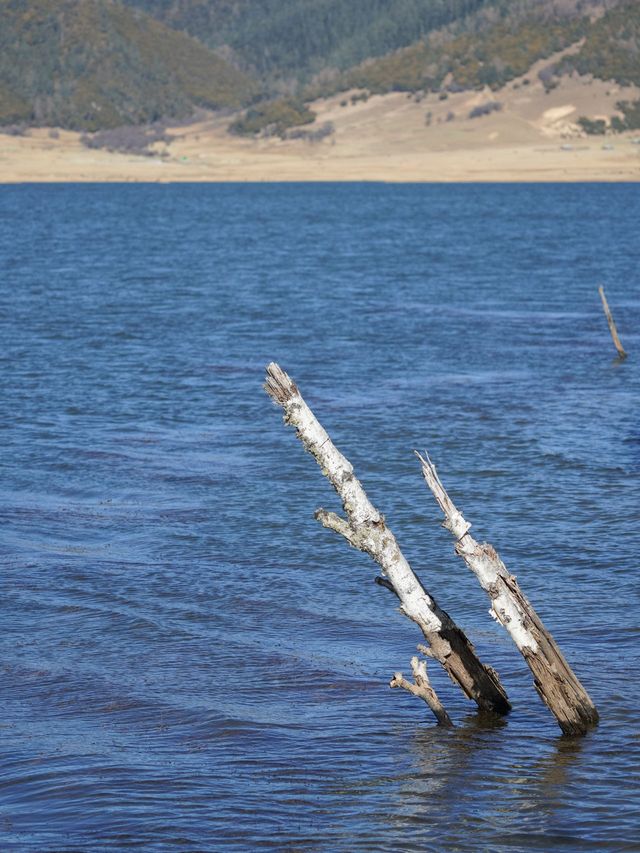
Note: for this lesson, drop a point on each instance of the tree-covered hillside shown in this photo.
(612, 47)
(501, 41)
(487, 58)
(95, 63)
(297, 38)
(92, 64)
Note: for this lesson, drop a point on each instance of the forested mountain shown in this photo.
(297, 38)
(95, 63)
(92, 64)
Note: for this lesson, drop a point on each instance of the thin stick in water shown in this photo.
(612, 325)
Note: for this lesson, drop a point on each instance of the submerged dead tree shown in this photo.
(612, 325)
(365, 528)
(554, 680)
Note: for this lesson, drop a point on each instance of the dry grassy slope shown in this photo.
(533, 137)
(528, 114)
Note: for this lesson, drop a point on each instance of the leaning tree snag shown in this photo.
(365, 529)
(612, 325)
(554, 680)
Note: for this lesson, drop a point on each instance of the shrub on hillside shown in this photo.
(593, 127)
(485, 109)
(273, 118)
(548, 77)
(631, 116)
(15, 130)
(317, 135)
(131, 139)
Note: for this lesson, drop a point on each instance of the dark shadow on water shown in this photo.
(484, 721)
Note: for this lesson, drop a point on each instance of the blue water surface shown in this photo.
(189, 661)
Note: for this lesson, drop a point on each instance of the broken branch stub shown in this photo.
(612, 325)
(554, 680)
(423, 690)
(365, 529)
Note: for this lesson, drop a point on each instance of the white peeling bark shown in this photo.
(423, 690)
(365, 528)
(554, 680)
(612, 325)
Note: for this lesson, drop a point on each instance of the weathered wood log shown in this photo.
(553, 678)
(365, 529)
(612, 325)
(423, 690)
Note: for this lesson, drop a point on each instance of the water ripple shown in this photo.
(189, 661)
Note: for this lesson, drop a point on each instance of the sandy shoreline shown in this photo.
(391, 138)
(31, 162)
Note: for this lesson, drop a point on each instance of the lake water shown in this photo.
(189, 661)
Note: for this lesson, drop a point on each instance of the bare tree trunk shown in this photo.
(554, 680)
(612, 325)
(365, 529)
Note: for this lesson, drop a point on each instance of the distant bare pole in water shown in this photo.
(553, 678)
(612, 325)
(365, 529)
